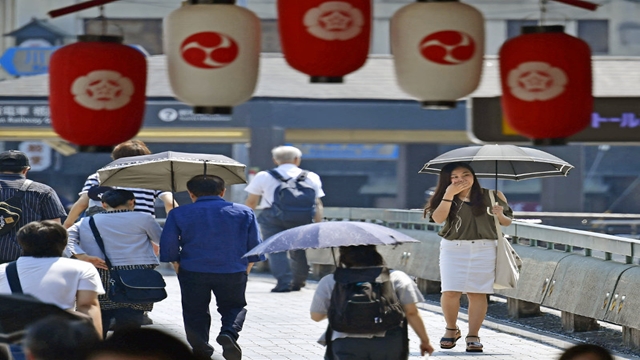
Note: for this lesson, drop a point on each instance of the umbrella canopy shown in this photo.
(17, 311)
(169, 171)
(330, 234)
(502, 162)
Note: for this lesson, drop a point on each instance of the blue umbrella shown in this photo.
(330, 234)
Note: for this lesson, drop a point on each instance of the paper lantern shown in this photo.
(325, 39)
(213, 55)
(97, 91)
(546, 84)
(438, 48)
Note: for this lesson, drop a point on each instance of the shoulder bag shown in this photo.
(132, 286)
(508, 263)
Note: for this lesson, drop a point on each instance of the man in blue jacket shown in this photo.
(205, 242)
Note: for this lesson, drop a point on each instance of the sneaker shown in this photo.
(281, 289)
(230, 348)
(298, 287)
(146, 320)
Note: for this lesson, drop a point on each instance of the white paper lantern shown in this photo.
(213, 54)
(438, 48)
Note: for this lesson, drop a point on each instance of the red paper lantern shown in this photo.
(97, 91)
(546, 84)
(325, 39)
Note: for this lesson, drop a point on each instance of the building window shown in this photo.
(270, 36)
(596, 34)
(514, 27)
(144, 32)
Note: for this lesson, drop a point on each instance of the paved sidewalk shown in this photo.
(278, 327)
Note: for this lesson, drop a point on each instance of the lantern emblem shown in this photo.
(448, 47)
(209, 50)
(536, 80)
(334, 20)
(102, 89)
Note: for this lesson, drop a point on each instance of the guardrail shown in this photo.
(587, 276)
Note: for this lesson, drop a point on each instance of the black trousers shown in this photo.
(124, 318)
(229, 292)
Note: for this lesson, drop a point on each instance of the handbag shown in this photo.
(508, 263)
(132, 286)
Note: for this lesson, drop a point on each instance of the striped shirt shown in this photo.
(40, 202)
(145, 198)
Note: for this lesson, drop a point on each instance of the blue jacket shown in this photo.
(210, 235)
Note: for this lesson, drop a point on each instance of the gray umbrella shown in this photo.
(329, 234)
(502, 162)
(169, 171)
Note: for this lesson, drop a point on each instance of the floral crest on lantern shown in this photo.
(448, 47)
(536, 80)
(334, 20)
(102, 89)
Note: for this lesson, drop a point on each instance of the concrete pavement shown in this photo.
(278, 327)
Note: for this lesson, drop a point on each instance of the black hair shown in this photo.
(583, 349)
(42, 239)
(444, 180)
(147, 342)
(117, 197)
(363, 255)
(205, 185)
(58, 338)
(130, 148)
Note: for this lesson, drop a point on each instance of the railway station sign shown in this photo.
(615, 120)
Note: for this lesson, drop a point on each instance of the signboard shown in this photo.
(158, 114)
(614, 121)
(21, 61)
(39, 154)
(349, 151)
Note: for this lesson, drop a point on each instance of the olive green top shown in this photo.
(466, 226)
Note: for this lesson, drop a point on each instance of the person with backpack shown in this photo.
(288, 197)
(368, 308)
(21, 202)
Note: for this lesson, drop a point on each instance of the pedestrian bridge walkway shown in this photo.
(278, 327)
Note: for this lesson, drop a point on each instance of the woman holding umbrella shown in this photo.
(468, 247)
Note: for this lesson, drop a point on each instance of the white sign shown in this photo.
(39, 154)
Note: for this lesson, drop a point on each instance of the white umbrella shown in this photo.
(502, 162)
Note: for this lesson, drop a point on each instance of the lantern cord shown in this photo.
(78, 7)
(543, 12)
(103, 20)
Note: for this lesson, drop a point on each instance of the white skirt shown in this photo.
(468, 266)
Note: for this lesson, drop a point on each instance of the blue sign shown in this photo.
(349, 151)
(19, 61)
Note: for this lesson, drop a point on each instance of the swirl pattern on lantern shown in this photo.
(102, 89)
(448, 47)
(209, 50)
(334, 20)
(536, 80)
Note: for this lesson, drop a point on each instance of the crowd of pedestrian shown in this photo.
(73, 265)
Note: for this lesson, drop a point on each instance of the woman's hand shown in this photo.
(497, 210)
(458, 187)
(426, 348)
(96, 261)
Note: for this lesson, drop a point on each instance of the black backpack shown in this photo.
(363, 301)
(294, 202)
(11, 209)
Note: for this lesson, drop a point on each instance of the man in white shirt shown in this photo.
(262, 189)
(68, 283)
